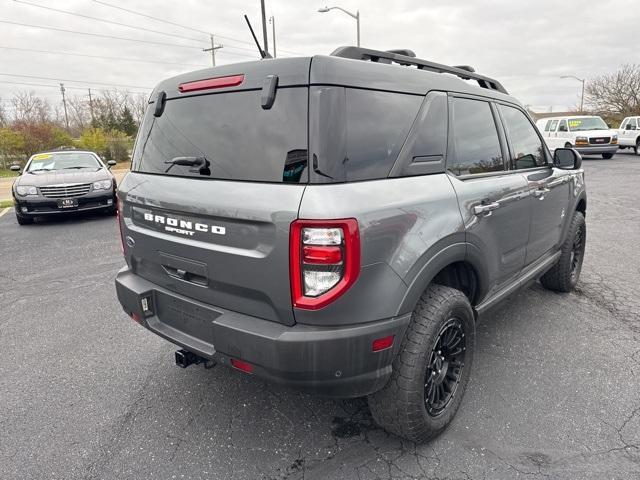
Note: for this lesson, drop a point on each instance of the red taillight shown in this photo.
(136, 318)
(382, 343)
(321, 255)
(118, 221)
(240, 365)
(324, 260)
(209, 83)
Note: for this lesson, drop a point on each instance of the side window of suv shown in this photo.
(527, 148)
(477, 146)
(563, 126)
(632, 124)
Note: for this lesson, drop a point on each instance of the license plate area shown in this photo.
(68, 203)
(190, 318)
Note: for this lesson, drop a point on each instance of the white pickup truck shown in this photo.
(629, 134)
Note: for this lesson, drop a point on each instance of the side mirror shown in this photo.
(14, 168)
(567, 159)
(111, 163)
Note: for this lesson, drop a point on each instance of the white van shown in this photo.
(588, 134)
(629, 134)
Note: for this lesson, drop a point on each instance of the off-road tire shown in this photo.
(607, 156)
(400, 407)
(564, 275)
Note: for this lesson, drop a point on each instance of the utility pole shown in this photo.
(64, 104)
(91, 109)
(264, 27)
(213, 49)
(272, 21)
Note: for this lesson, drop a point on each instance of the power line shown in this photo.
(75, 81)
(151, 17)
(99, 35)
(183, 26)
(67, 87)
(66, 12)
(101, 56)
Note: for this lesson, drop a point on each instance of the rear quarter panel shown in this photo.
(402, 223)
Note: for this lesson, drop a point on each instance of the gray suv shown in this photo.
(338, 223)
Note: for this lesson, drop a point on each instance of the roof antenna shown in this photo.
(263, 54)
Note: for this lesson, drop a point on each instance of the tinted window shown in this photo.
(554, 124)
(377, 126)
(431, 137)
(527, 148)
(237, 138)
(477, 147)
(563, 126)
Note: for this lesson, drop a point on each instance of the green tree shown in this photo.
(94, 139)
(126, 122)
(11, 145)
(118, 145)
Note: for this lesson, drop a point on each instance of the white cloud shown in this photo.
(525, 45)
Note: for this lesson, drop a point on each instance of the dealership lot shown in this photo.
(87, 393)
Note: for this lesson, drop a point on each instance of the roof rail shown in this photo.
(465, 72)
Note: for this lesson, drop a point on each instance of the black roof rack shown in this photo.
(463, 71)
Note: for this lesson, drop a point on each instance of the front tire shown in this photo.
(564, 275)
(607, 156)
(431, 369)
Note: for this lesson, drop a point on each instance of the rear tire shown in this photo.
(431, 369)
(636, 149)
(23, 220)
(607, 156)
(568, 145)
(564, 275)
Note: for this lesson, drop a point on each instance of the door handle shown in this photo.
(486, 208)
(540, 193)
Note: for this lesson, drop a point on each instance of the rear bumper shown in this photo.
(41, 206)
(597, 149)
(330, 361)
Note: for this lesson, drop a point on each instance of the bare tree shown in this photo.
(30, 108)
(4, 118)
(79, 113)
(616, 93)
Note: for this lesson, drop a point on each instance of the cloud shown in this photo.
(525, 45)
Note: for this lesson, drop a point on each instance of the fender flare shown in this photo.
(433, 264)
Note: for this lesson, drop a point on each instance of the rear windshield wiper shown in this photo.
(201, 162)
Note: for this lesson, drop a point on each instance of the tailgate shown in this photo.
(220, 242)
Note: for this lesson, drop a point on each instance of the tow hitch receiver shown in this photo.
(184, 358)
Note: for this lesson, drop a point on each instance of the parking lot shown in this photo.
(87, 393)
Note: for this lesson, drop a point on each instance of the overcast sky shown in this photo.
(525, 45)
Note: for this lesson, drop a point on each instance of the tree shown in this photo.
(118, 146)
(11, 145)
(126, 122)
(29, 108)
(616, 94)
(41, 136)
(94, 139)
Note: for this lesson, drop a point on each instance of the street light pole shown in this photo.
(353, 15)
(582, 96)
(272, 21)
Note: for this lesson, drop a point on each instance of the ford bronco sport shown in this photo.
(337, 223)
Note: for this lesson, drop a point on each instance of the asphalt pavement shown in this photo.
(87, 393)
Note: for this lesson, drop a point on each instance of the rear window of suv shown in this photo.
(238, 138)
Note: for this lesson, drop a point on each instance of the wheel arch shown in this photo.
(459, 266)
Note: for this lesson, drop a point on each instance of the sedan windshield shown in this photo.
(587, 123)
(63, 161)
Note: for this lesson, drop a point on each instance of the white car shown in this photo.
(629, 134)
(588, 134)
